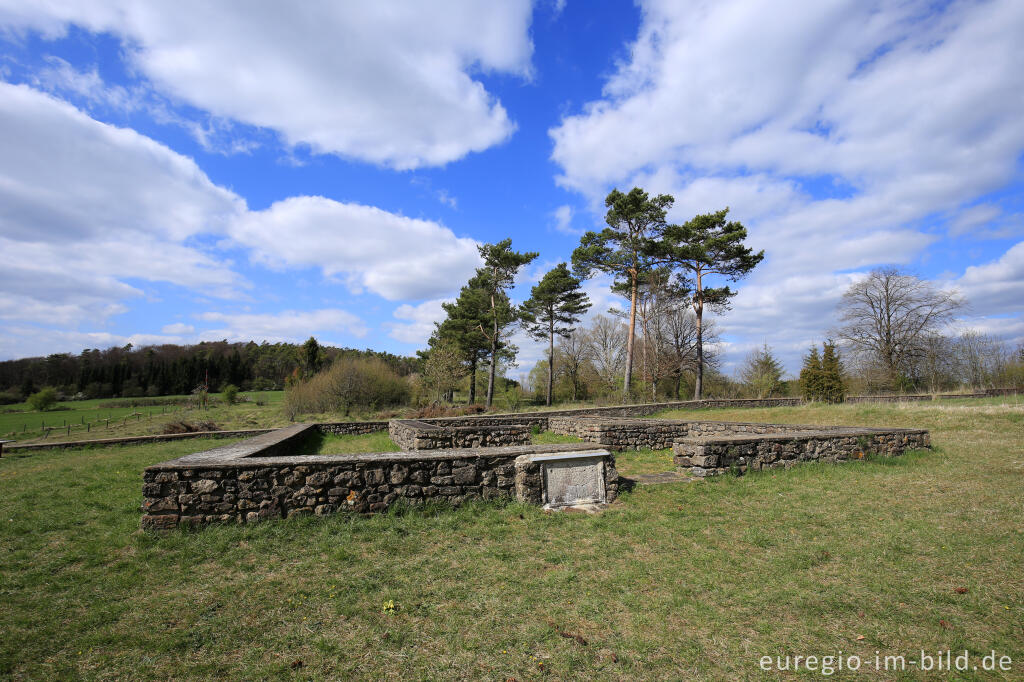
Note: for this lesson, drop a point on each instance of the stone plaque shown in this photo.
(572, 480)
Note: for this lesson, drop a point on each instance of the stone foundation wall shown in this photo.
(621, 434)
(711, 455)
(411, 434)
(218, 486)
(654, 434)
(352, 428)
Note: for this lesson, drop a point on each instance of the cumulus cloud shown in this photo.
(997, 286)
(23, 341)
(563, 220)
(85, 206)
(385, 84)
(290, 325)
(69, 230)
(391, 255)
(832, 132)
(419, 321)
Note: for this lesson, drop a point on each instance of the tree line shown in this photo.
(171, 369)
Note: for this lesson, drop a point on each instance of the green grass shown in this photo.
(381, 442)
(331, 444)
(676, 581)
(26, 425)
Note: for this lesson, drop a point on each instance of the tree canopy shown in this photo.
(706, 245)
(622, 249)
(554, 308)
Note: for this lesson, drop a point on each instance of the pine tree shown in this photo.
(811, 375)
(703, 246)
(762, 372)
(501, 264)
(833, 390)
(555, 306)
(463, 326)
(621, 249)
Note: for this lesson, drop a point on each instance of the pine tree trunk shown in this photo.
(698, 389)
(551, 358)
(472, 381)
(494, 359)
(629, 340)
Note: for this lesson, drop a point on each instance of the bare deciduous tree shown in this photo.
(573, 353)
(887, 316)
(606, 342)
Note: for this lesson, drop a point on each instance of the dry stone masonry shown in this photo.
(411, 434)
(707, 455)
(254, 480)
(705, 448)
(457, 459)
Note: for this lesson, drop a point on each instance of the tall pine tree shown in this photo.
(462, 328)
(501, 264)
(704, 246)
(622, 249)
(555, 306)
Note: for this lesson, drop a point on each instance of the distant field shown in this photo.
(23, 424)
(675, 581)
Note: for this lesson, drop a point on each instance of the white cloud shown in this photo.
(388, 254)
(996, 287)
(447, 199)
(832, 130)
(871, 99)
(84, 205)
(24, 341)
(563, 220)
(178, 328)
(60, 167)
(420, 321)
(385, 84)
(290, 325)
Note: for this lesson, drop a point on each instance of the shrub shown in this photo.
(9, 398)
(43, 400)
(366, 383)
(230, 394)
(188, 427)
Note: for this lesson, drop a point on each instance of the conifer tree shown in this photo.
(461, 328)
(622, 249)
(811, 375)
(833, 390)
(555, 306)
(703, 246)
(762, 372)
(501, 264)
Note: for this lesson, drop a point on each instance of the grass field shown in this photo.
(28, 426)
(676, 581)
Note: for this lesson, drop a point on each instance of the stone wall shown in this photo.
(411, 434)
(716, 454)
(351, 428)
(224, 485)
(654, 434)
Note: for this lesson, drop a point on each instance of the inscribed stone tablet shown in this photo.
(574, 481)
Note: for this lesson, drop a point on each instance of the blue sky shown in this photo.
(190, 171)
